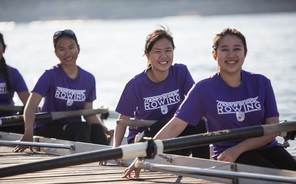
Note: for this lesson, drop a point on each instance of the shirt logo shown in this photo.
(70, 95)
(162, 101)
(239, 108)
(3, 89)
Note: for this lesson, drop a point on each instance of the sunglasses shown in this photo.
(67, 32)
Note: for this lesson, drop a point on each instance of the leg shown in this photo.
(280, 157)
(98, 135)
(201, 151)
(78, 131)
(51, 130)
(254, 158)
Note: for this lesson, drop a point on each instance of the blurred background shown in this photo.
(112, 34)
(32, 10)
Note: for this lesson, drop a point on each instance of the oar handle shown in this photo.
(135, 123)
(48, 116)
(11, 108)
(82, 112)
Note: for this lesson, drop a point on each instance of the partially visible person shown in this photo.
(64, 87)
(157, 92)
(11, 82)
(232, 98)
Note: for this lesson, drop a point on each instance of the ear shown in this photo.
(78, 48)
(214, 54)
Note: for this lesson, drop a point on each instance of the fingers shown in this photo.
(127, 173)
(103, 163)
(20, 149)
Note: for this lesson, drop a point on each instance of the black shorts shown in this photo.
(74, 131)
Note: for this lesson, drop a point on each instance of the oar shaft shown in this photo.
(17, 119)
(11, 108)
(75, 159)
(180, 143)
(48, 116)
(215, 172)
(37, 144)
(135, 123)
(226, 135)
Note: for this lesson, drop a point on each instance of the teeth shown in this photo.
(231, 62)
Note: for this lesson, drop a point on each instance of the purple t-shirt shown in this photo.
(17, 85)
(228, 107)
(145, 99)
(62, 93)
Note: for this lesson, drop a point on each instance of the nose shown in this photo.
(163, 54)
(231, 54)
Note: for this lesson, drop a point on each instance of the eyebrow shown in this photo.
(238, 45)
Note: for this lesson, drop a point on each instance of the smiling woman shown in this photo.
(53, 85)
(157, 92)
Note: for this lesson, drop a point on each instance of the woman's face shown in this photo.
(67, 51)
(161, 55)
(230, 54)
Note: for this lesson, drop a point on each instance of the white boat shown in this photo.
(170, 167)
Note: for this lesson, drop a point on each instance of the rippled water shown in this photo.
(113, 50)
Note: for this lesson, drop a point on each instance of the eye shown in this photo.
(223, 49)
(61, 49)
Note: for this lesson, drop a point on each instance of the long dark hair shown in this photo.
(3, 65)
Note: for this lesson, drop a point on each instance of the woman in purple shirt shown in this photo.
(65, 87)
(232, 98)
(157, 92)
(11, 81)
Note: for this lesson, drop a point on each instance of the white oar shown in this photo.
(213, 172)
(150, 148)
(37, 144)
(135, 123)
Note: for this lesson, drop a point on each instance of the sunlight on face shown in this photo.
(67, 50)
(230, 54)
(162, 54)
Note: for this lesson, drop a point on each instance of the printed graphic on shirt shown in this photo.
(162, 101)
(239, 108)
(3, 88)
(70, 95)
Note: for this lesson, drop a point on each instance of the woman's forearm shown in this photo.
(172, 129)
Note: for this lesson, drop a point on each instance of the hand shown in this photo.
(128, 171)
(103, 163)
(229, 155)
(20, 148)
(110, 133)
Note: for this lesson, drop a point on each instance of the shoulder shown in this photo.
(180, 67)
(211, 79)
(12, 69)
(86, 73)
(254, 76)
(51, 71)
(139, 77)
(180, 70)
